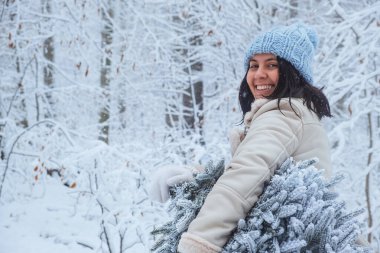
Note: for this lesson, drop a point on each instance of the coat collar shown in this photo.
(255, 106)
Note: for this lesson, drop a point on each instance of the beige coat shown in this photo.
(273, 136)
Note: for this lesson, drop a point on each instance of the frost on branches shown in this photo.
(297, 212)
(186, 201)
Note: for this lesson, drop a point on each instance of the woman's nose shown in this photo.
(260, 73)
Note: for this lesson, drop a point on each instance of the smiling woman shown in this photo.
(282, 111)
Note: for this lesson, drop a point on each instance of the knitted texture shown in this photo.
(295, 43)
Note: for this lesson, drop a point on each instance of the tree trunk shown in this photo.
(193, 98)
(48, 53)
(105, 72)
(368, 179)
(293, 9)
(190, 114)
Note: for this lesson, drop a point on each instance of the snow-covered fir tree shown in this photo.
(297, 212)
(186, 201)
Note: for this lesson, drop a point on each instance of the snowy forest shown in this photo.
(95, 95)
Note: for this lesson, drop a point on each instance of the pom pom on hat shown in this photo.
(295, 43)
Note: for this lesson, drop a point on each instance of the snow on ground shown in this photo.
(54, 219)
(49, 223)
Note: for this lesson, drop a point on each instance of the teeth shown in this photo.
(263, 87)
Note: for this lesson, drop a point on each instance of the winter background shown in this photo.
(96, 94)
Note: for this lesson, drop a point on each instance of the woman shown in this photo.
(282, 111)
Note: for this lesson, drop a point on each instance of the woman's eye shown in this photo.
(272, 66)
(253, 66)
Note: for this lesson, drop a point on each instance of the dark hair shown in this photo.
(290, 84)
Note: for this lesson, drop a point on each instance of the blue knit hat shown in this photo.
(295, 43)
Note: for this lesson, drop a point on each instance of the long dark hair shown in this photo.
(290, 85)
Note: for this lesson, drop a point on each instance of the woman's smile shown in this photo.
(264, 87)
(263, 75)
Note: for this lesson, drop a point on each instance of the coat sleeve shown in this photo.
(271, 139)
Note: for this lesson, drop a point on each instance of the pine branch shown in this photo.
(186, 201)
(297, 212)
(304, 216)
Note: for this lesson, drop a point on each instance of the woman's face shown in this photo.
(263, 75)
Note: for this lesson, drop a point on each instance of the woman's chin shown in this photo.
(262, 94)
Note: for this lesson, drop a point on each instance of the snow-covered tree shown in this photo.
(297, 212)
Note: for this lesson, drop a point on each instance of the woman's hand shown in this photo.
(169, 176)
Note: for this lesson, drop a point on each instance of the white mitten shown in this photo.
(165, 177)
(235, 138)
